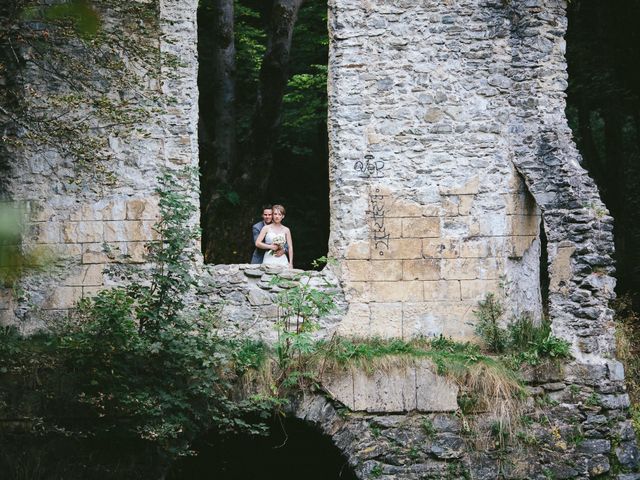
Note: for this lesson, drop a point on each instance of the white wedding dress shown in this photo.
(269, 255)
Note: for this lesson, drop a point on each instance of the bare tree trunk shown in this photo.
(225, 91)
(274, 75)
(219, 157)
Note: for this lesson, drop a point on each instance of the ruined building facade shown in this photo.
(452, 174)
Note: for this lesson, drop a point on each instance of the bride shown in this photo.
(274, 237)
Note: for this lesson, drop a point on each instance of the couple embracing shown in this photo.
(272, 239)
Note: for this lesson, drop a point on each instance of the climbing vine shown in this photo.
(80, 79)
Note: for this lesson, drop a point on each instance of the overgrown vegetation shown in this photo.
(489, 314)
(133, 366)
(628, 352)
(488, 381)
(523, 340)
(136, 367)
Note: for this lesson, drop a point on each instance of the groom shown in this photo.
(267, 217)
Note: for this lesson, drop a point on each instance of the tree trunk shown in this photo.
(274, 75)
(219, 154)
(225, 94)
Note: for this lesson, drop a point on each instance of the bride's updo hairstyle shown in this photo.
(280, 208)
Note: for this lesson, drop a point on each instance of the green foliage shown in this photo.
(15, 261)
(500, 433)
(136, 363)
(376, 471)
(489, 314)
(79, 13)
(449, 357)
(523, 332)
(593, 400)
(428, 428)
(304, 110)
(300, 305)
(525, 341)
(635, 417)
(547, 348)
(456, 471)
(248, 355)
(533, 344)
(576, 436)
(345, 350)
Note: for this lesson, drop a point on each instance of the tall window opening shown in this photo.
(603, 108)
(263, 131)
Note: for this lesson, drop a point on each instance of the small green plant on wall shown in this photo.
(489, 314)
(523, 340)
(300, 306)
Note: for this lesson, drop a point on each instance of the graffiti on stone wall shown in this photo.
(380, 236)
(369, 168)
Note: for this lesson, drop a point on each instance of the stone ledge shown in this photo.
(398, 388)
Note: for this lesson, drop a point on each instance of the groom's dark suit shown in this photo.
(258, 253)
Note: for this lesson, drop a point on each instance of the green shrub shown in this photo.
(133, 363)
(533, 344)
(525, 341)
(489, 314)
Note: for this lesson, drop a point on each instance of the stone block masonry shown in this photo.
(428, 212)
(81, 221)
(449, 149)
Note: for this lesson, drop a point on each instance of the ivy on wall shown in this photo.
(77, 75)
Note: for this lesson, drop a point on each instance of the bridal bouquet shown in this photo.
(278, 240)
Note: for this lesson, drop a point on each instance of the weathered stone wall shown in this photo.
(444, 121)
(578, 226)
(73, 213)
(246, 297)
(448, 141)
(559, 440)
(428, 212)
(449, 148)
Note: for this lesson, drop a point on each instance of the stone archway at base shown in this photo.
(293, 449)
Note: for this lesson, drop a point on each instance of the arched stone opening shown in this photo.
(292, 449)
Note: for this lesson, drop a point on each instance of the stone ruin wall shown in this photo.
(428, 212)
(446, 145)
(449, 148)
(449, 142)
(72, 215)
